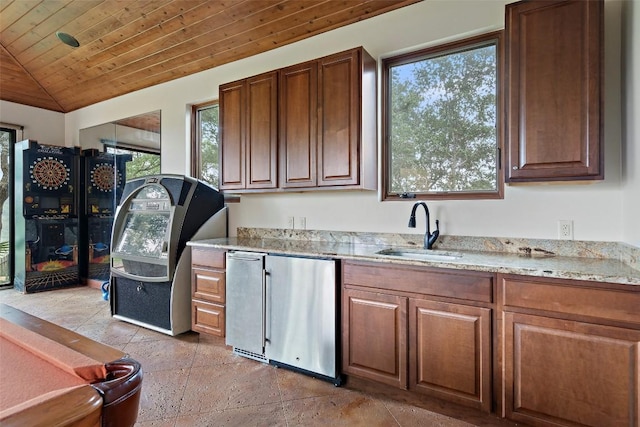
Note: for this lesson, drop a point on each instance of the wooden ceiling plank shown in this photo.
(29, 21)
(13, 10)
(224, 30)
(130, 11)
(178, 62)
(22, 88)
(97, 53)
(140, 44)
(11, 19)
(130, 55)
(42, 37)
(132, 50)
(328, 22)
(53, 48)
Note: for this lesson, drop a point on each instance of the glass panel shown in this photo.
(7, 140)
(144, 234)
(208, 131)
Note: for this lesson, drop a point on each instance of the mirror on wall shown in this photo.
(112, 154)
(138, 136)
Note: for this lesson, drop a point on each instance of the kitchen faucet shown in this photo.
(429, 238)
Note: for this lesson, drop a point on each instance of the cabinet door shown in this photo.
(554, 68)
(569, 373)
(450, 352)
(232, 135)
(208, 284)
(298, 125)
(374, 336)
(338, 119)
(262, 131)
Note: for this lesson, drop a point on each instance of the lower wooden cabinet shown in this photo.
(398, 330)
(571, 352)
(208, 291)
(450, 352)
(374, 336)
(562, 372)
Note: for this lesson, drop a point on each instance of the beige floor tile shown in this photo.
(235, 385)
(213, 351)
(297, 386)
(160, 355)
(162, 394)
(269, 415)
(344, 409)
(413, 416)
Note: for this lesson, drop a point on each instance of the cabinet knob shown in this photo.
(515, 168)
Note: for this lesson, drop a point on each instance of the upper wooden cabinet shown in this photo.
(248, 122)
(554, 57)
(298, 125)
(346, 120)
(320, 125)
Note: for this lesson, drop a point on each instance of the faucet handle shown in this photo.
(431, 239)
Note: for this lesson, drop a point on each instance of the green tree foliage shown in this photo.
(443, 123)
(142, 164)
(209, 131)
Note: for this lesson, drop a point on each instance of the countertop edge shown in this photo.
(369, 255)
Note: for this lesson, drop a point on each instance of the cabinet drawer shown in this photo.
(473, 286)
(548, 295)
(208, 284)
(208, 257)
(208, 318)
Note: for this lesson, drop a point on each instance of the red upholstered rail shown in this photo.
(33, 367)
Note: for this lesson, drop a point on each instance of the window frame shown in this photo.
(16, 133)
(196, 137)
(426, 53)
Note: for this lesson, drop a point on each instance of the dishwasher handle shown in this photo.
(246, 256)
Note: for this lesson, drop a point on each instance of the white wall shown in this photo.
(631, 122)
(526, 211)
(44, 126)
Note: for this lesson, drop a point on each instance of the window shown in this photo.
(205, 131)
(441, 133)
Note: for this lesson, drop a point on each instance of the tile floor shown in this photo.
(195, 380)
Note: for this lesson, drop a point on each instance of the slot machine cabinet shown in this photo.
(150, 260)
(45, 217)
(103, 180)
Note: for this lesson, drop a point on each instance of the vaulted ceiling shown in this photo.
(127, 45)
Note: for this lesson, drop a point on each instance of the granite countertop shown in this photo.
(533, 264)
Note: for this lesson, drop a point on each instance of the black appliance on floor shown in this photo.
(150, 262)
(45, 217)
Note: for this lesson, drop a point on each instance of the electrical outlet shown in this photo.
(290, 222)
(565, 229)
(302, 223)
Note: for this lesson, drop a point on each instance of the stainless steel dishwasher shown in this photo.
(282, 309)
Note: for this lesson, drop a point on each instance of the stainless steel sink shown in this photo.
(422, 255)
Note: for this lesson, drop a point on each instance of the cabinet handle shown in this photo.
(515, 168)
